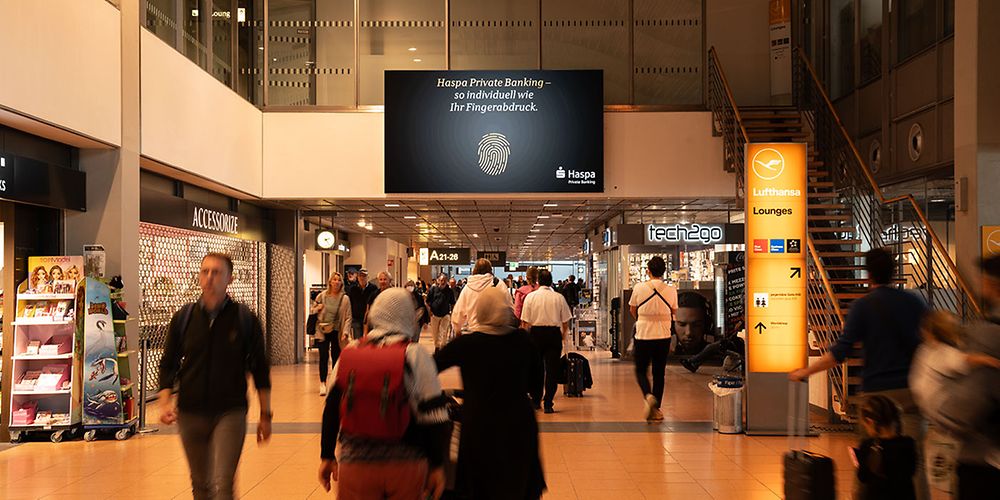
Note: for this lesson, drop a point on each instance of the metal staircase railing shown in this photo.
(898, 224)
(825, 321)
(726, 121)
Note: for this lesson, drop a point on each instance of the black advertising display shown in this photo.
(734, 294)
(39, 183)
(498, 259)
(494, 131)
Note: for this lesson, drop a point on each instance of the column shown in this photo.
(977, 128)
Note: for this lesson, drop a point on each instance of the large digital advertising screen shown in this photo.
(494, 131)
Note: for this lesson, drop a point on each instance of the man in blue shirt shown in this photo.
(887, 321)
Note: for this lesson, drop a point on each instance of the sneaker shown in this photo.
(657, 416)
(322, 389)
(691, 367)
(650, 407)
(549, 409)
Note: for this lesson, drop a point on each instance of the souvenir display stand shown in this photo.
(108, 391)
(47, 361)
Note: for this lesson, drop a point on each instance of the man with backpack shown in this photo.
(464, 313)
(211, 347)
(386, 411)
(440, 300)
(653, 305)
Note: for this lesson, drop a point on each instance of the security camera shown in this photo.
(496, 229)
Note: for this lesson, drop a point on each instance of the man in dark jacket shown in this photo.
(360, 295)
(572, 292)
(220, 342)
(440, 300)
(887, 320)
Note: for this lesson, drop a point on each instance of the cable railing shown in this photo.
(898, 224)
(726, 121)
(825, 321)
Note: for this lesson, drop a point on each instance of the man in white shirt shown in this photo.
(653, 305)
(464, 312)
(546, 315)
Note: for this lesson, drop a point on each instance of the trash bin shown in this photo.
(727, 407)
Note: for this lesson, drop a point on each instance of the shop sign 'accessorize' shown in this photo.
(776, 261)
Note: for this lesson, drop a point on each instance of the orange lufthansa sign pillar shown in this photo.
(775, 281)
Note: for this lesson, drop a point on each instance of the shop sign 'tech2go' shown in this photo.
(776, 261)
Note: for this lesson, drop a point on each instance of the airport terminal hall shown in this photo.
(499, 249)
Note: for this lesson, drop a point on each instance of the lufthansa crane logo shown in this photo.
(768, 164)
(494, 150)
(993, 242)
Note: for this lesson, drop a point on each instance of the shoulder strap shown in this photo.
(184, 317)
(656, 293)
(496, 281)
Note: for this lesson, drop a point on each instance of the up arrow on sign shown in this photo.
(760, 327)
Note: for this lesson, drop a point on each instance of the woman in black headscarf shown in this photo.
(498, 452)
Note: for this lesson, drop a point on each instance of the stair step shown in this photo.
(826, 206)
(779, 135)
(769, 115)
(836, 242)
(823, 254)
(821, 184)
(818, 173)
(759, 125)
(845, 268)
(829, 194)
(828, 217)
(844, 229)
(850, 295)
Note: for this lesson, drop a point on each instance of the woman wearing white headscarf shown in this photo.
(498, 452)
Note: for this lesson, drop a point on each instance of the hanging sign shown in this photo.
(498, 259)
(775, 260)
(991, 241)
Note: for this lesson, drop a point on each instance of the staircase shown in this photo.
(847, 215)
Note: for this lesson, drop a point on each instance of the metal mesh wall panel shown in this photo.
(169, 259)
(281, 312)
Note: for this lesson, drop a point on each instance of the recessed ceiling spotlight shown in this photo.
(361, 223)
(539, 225)
(535, 230)
(369, 227)
(550, 204)
(475, 235)
(392, 205)
(418, 60)
(543, 216)
(412, 49)
(409, 216)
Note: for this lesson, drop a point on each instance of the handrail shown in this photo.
(878, 191)
(713, 54)
(824, 275)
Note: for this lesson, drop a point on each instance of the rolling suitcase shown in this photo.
(577, 373)
(808, 476)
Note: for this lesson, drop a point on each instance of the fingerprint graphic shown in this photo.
(494, 150)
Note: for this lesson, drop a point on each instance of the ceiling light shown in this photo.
(392, 205)
(409, 216)
(381, 232)
(361, 223)
(543, 216)
(550, 205)
(535, 230)
(938, 200)
(418, 60)
(369, 227)
(475, 235)
(412, 49)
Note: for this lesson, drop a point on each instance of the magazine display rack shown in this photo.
(108, 389)
(46, 362)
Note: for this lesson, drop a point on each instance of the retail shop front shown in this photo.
(702, 259)
(179, 225)
(39, 182)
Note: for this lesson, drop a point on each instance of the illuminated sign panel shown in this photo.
(776, 263)
(705, 234)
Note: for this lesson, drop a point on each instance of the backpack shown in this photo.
(373, 403)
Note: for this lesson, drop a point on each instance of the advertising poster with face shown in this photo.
(54, 274)
(694, 325)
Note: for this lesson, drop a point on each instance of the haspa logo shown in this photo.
(494, 150)
(760, 246)
(768, 164)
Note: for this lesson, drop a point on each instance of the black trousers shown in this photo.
(329, 353)
(651, 352)
(548, 342)
(977, 482)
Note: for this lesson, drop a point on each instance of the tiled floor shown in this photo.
(595, 447)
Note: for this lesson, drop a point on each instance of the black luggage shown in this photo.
(808, 476)
(577, 375)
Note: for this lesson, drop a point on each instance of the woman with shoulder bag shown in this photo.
(333, 326)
